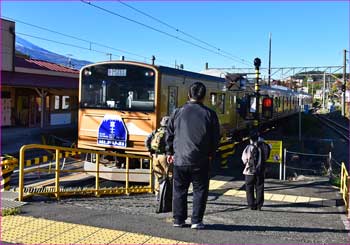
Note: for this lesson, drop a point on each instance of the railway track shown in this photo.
(340, 129)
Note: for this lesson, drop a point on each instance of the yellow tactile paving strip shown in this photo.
(217, 184)
(277, 197)
(220, 181)
(29, 230)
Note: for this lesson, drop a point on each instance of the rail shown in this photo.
(344, 185)
(341, 130)
(58, 191)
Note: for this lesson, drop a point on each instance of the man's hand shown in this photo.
(170, 159)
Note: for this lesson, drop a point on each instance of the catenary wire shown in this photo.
(182, 32)
(159, 31)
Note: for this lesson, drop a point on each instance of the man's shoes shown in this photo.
(253, 208)
(259, 208)
(179, 225)
(198, 226)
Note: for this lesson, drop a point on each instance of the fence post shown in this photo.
(97, 180)
(57, 175)
(347, 196)
(21, 174)
(330, 170)
(341, 177)
(151, 174)
(127, 176)
(285, 163)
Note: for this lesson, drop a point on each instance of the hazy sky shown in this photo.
(303, 33)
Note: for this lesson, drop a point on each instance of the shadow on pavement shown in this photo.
(271, 228)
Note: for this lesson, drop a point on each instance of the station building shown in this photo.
(35, 93)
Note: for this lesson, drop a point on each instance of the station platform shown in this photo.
(307, 211)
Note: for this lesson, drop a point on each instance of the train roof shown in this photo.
(178, 72)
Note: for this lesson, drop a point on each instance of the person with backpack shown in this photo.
(155, 143)
(254, 157)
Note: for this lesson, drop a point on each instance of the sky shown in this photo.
(304, 33)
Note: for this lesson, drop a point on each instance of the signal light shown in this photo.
(267, 108)
(343, 88)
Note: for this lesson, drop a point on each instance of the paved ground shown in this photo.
(131, 219)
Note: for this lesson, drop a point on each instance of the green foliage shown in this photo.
(10, 211)
(335, 181)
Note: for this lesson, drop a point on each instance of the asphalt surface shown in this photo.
(227, 219)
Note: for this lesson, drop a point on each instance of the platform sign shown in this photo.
(112, 131)
(276, 151)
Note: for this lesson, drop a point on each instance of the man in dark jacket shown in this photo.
(193, 135)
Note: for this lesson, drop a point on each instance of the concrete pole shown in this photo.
(344, 84)
(324, 91)
(269, 78)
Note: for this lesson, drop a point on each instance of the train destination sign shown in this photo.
(276, 151)
(112, 131)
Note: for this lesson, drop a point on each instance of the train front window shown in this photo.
(118, 86)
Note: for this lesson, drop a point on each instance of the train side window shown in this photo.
(217, 102)
(172, 99)
(221, 103)
(213, 99)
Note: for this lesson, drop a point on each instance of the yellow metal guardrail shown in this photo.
(344, 185)
(8, 164)
(59, 191)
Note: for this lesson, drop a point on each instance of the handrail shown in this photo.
(58, 149)
(344, 189)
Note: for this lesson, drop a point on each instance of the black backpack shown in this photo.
(265, 150)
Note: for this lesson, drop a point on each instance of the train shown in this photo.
(122, 102)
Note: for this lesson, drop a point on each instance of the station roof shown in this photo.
(40, 74)
(42, 65)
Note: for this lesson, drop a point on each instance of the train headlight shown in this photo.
(87, 72)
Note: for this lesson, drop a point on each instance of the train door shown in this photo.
(172, 99)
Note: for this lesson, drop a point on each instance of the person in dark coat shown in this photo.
(193, 135)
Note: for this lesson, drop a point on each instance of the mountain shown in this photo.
(36, 52)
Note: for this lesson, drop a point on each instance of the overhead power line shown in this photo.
(83, 40)
(159, 31)
(76, 38)
(243, 61)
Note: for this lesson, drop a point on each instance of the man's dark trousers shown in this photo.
(255, 182)
(183, 176)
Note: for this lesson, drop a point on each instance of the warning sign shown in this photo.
(276, 151)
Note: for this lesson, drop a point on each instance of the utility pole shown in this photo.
(324, 91)
(344, 86)
(269, 78)
(257, 63)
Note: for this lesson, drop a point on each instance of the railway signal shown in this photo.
(267, 108)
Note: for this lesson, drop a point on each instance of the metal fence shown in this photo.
(306, 163)
(58, 190)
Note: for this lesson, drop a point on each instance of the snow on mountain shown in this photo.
(36, 52)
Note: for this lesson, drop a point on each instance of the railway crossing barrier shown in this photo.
(226, 149)
(58, 190)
